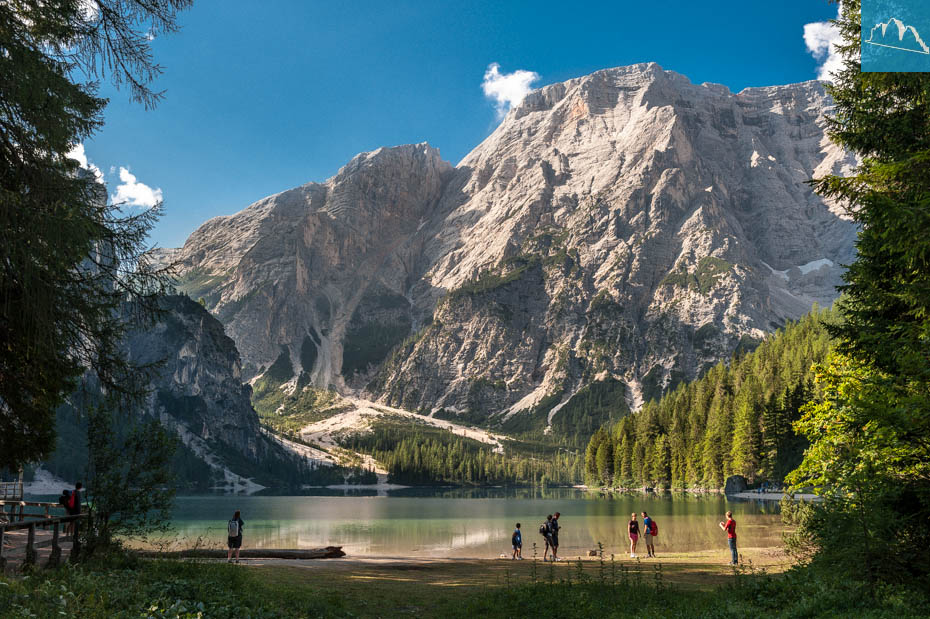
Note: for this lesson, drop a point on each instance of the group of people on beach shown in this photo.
(548, 529)
(550, 533)
(649, 531)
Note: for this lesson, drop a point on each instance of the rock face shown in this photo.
(308, 272)
(625, 227)
(735, 483)
(198, 388)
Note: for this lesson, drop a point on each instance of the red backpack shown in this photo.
(654, 528)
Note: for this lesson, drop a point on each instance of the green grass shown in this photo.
(129, 587)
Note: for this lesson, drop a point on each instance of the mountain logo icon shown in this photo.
(897, 35)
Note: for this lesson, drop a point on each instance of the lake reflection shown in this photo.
(470, 522)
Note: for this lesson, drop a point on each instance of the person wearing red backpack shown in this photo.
(73, 506)
(649, 531)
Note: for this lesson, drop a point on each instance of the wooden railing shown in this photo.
(8, 509)
(11, 490)
(31, 545)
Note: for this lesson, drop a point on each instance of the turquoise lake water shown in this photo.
(474, 524)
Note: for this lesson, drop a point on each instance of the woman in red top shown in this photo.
(730, 527)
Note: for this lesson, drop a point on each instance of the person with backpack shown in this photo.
(517, 541)
(634, 534)
(730, 527)
(234, 541)
(73, 506)
(546, 531)
(554, 536)
(649, 532)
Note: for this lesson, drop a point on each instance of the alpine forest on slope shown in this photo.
(734, 420)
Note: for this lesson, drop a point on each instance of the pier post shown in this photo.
(30, 546)
(55, 558)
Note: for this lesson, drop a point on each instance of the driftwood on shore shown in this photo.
(330, 552)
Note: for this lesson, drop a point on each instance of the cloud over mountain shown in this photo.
(507, 89)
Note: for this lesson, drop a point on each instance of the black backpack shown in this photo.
(544, 529)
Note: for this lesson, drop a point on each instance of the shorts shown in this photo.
(234, 542)
(634, 536)
(517, 546)
(647, 538)
(554, 540)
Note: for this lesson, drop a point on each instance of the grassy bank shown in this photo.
(129, 587)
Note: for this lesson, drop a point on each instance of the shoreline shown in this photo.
(745, 495)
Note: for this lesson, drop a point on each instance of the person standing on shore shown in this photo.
(517, 540)
(545, 530)
(730, 527)
(634, 534)
(234, 537)
(554, 535)
(647, 536)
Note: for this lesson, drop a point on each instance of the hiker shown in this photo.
(517, 540)
(634, 534)
(730, 527)
(234, 541)
(648, 526)
(545, 530)
(554, 536)
(73, 507)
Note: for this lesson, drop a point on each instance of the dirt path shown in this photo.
(357, 419)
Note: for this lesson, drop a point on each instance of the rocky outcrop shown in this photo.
(627, 227)
(291, 272)
(197, 386)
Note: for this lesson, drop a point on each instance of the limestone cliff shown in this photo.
(625, 228)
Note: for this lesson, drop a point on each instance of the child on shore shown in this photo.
(517, 540)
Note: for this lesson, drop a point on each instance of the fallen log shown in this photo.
(330, 552)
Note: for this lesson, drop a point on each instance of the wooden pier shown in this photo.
(31, 535)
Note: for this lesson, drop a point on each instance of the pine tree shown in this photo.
(870, 432)
(69, 259)
(605, 461)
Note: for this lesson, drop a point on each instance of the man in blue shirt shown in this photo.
(517, 541)
(647, 535)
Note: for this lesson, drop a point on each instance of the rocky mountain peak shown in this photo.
(626, 227)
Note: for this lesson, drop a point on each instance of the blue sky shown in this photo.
(264, 96)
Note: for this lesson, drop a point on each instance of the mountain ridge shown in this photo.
(625, 226)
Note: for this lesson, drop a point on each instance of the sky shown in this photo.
(264, 96)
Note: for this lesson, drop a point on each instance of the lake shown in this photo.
(470, 523)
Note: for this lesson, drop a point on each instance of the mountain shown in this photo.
(617, 234)
(197, 391)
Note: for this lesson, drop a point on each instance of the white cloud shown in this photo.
(130, 192)
(507, 89)
(821, 39)
(77, 153)
(89, 9)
